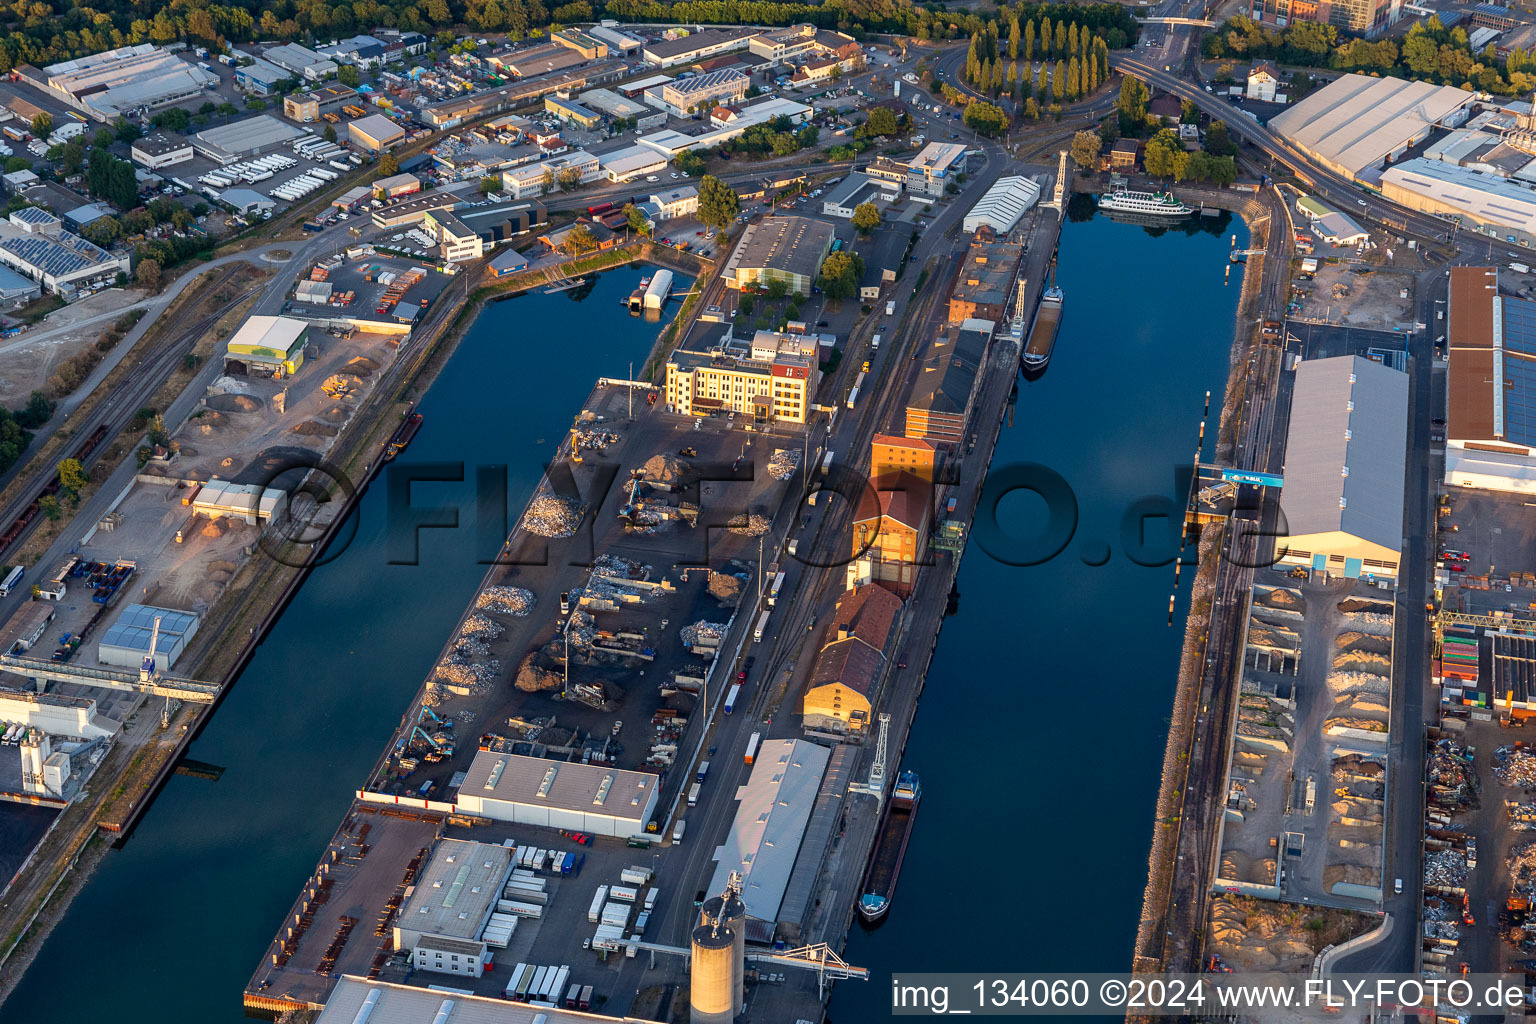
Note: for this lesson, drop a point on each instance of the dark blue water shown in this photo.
(1040, 734)
(1039, 737)
(180, 917)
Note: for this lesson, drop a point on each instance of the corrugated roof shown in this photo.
(1346, 449)
(774, 807)
(1358, 120)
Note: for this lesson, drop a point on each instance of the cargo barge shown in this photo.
(890, 848)
(1042, 334)
(403, 436)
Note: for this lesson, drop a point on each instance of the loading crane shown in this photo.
(876, 785)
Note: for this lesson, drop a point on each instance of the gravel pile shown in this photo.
(481, 628)
(551, 516)
(1374, 623)
(1515, 766)
(784, 463)
(710, 632)
(746, 525)
(1349, 684)
(505, 600)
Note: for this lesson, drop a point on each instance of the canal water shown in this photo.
(172, 925)
(1039, 738)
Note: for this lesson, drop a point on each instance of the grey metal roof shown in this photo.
(794, 245)
(1345, 450)
(765, 837)
(403, 1004)
(1358, 120)
(805, 880)
(135, 627)
(457, 890)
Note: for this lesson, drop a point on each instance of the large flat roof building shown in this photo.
(558, 794)
(356, 999)
(1497, 205)
(300, 61)
(985, 286)
(683, 96)
(788, 249)
(772, 811)
(448, 113)
(774, 379)
(1345, 457)
(117, 83)
(531, 61)
(454, 896)
(375, 133)
(1359, 123)
(126, 642)
(695, 47)
(160, 149)
(60, 260)
(1490, 417)
(935, 166)
(239, 140)
(939, 407)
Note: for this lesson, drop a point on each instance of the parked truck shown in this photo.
(890, 307)
(752, 746)
(730, 705)
(693, 795)
(762, 627)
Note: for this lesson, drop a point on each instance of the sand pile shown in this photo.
(725, 588)
(362, 366)
(1363, 661)
(535, 675)
(667, 470)
(216, 528)
(314, 428)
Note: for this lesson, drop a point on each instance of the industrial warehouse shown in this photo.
(121, 82)
(1490, 416)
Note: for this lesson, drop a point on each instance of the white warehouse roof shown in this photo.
(623, 164)
(774, 807)
(379, 1002)
(1486, 198)
(1358, 121)
(1345, 455)
(558, 794)
(1003, 204)
(278, 334)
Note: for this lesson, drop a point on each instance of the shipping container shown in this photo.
(598, 899)
(853, 398)
(752, 746)
(520, 908)
(615, 914)
(730, 699)
(635, 875)
(693, 795)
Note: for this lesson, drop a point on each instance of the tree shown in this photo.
(42, 125)
(388, 165)
(347, 75)
(1013, 39)
(1029, 41)
(330, 133)
(882, 121)
(36, 412)
(637, 222)
(1085, 150)
(985, 118)
(1165, 156)
(569, 179)
(865, 218)
(777, 289)
(147, 273)
(580, 239)
(1218, 142)
(72, 477)
(840, 274)
(1132, 104)
(1059, 81)
(488, 184)
(48, 504)
(103, 231)
(718, 203)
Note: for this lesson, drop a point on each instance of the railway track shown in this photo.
(111, 416)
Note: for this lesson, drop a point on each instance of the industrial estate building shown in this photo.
(267, 346)
(1490, 416)
(773, 810)
(1345, 456)
(443, 921)
(1358, 124)
(939, 407)
(788, 249)
(772, 379)
(854, 651)
(544, 176)
(33, 242)
(670, 143)
(556, 794)
(630, 163)
(160, 149)
(1329, 225)
(690, 48)
(240, 140)
(126, 643)
(459, 242)
(855, 190)
(890, 530)
(683, 97)
(1001, 206)
(311, 106)
(122, 82)
(985, 285)
(448, 113)
(300, 62)
(934, 168)
(374, 133)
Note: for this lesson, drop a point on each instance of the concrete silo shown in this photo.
(719, 948)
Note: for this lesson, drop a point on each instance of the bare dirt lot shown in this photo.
(27, 359)
(1359, 296)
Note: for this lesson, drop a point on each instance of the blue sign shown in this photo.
(1238, 476)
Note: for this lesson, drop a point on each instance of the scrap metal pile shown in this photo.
(703, 634)
(613, 565)
(1445, 869)
(481, 628)
(1515, 765)
(505, 600)
(748, 525)
(1452, 778)
(591, 439)
(551, 516)
(784, 463)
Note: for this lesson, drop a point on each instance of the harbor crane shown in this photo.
(876, 784)
(148, 679)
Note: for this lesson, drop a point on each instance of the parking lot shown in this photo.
(1497, 535)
